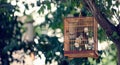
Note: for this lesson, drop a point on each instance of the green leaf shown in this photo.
(48, 4)
(29, 18)
(42, 9)
(117, 3)
(109, 2)
(26, 6)
(114, 10)
(101, 35)
(115, 35)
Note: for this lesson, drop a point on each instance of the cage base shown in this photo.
(80, 54)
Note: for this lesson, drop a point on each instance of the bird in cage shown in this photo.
(72, 30)
(77, 45)
(90, 47)
(78, 41)
(91, 40)
(90, 43)
(86, 31)
(81, 36)
(86, 46)
(72, 36)
(85, 36)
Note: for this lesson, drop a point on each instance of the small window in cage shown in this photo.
(80, 37)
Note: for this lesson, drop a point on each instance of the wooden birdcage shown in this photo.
(80, 37)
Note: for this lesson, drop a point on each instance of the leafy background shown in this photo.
(11, 30)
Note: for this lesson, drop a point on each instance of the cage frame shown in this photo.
(83, 53)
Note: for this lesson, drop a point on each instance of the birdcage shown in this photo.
(80, 37)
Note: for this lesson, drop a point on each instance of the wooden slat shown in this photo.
(95, 34)
(85, 53)
(66, 43)
(81, 26)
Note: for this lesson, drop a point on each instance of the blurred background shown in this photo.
(31, 32)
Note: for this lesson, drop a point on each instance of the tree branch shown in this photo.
(103, 21)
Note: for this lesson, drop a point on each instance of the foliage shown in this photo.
(109, 9)
(10, 28)
(101, 35)
(49, 45)
(107, 57)
(65, 8)
(10, 35)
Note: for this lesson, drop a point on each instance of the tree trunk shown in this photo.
(118, 54)
(111, 30)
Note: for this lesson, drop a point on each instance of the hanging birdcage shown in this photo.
(80, 37)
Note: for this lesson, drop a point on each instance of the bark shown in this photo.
(105, 24)
(118, 53)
